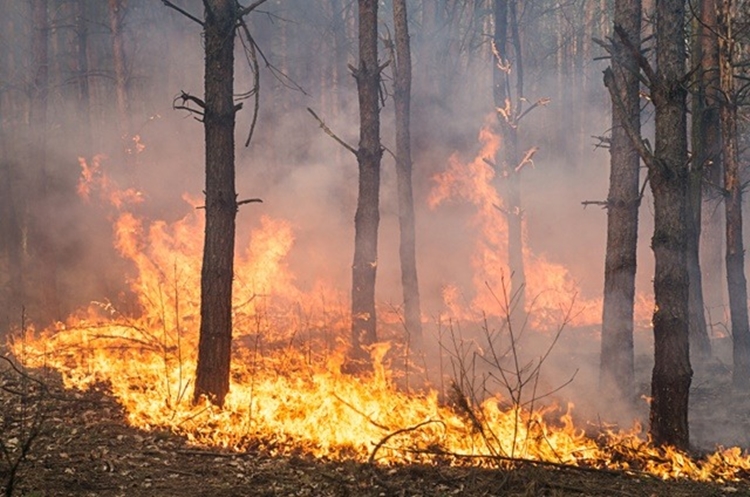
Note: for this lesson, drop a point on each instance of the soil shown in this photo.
(81, 445)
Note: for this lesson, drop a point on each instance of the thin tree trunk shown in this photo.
(369, 154)
(616, 372)
(707, 151)
(672, 374)
(116, 11)
(702, 135)
(735, 258)
(214, 348)
(40, 241)
(402, 104)
(82, 70)
(509, 159)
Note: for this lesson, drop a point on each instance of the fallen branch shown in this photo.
(382, 442)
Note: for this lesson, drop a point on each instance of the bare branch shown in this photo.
(330, 133)
(246, 10)
(182, 11)
(635, 52)
(635, 138)
(256, 78)
(603, 203)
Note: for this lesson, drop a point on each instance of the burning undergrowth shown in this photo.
(288, 391)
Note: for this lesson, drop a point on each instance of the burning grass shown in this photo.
(288, 392)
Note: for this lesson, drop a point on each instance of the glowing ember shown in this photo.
(288, 392)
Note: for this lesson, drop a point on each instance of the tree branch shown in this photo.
(635, 138)
(182, 11)
(330, 133)
(246, 10)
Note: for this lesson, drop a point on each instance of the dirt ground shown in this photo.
(82, 446)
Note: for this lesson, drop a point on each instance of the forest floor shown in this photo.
(82, 446)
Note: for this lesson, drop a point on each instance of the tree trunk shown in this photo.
(369, 154)
(707, 151)
(214, 348)
(616, 373)
(670, 383)
(41, 244)
(82, 70)
(509, 159)
(402, 104)
(704, 141)
(735, 258)
(116, 11)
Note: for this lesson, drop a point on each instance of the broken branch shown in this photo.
(330, 133)
(182, 11)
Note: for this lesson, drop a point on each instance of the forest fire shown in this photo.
(552, 292)
(288, 392)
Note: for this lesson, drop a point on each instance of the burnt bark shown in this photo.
(616, 372)
(369, 153)
(407, 231)
(509, 178)
(735, 251)
(215, 343)
(672, 373)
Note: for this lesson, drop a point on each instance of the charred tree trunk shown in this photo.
(672, 374)
(402, 104)
(369, 154)
(42, 246)
(214, 348)
(735, 257)
(509, 160)
(616, 373)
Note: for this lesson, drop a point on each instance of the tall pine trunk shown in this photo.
(369, 153)
(402, 104)
(508, 159)
(616, 373)
(707, 150)
(672, 374)
(42, 246)
(735, 256)
(214, 348)
(116, 11)
(702, 135)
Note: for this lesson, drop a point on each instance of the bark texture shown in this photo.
(672, 374)
(369, 153)
(214, 348)
(617, 373)
(402, 104)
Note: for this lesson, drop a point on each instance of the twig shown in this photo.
(603, 203)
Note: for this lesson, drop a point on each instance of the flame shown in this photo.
(288, 392)
(552, 294)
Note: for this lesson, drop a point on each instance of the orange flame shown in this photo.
(288, 392)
